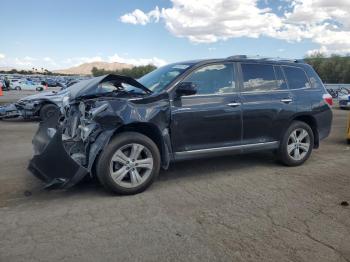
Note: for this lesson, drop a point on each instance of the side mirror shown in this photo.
(186, 89)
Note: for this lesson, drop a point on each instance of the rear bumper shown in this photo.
(324, 123)
(51, 163)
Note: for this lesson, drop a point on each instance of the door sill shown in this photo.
(208, 152)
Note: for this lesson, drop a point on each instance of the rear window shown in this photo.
(296, 77)
(258, 77)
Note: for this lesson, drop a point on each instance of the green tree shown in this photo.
(134, 72)
(333, 69)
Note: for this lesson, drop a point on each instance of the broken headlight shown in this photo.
(87, 116)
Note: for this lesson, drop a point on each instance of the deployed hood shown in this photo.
(90, 87)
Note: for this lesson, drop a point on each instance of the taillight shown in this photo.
(328, 99)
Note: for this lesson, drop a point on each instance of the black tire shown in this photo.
(348, 141)
(283, 154)
(49, 110)
(103, 172)
(18, 88)
(39, 89)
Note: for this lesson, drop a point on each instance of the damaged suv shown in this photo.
(124, 130)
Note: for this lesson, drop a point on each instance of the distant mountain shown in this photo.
(85, 69)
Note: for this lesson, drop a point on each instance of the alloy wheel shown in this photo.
(131, 165)
(298, 144)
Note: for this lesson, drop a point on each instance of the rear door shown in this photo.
(267, 103)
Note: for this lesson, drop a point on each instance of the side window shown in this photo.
(281, 81)
(296, 77)
(213, 79)
(258, 77)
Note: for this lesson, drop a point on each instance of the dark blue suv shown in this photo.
(123, 130)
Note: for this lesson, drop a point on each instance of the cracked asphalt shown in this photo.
(235, 208)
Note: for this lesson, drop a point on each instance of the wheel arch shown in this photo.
(160, 138)
(311, 121)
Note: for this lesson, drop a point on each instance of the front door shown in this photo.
(212, 117)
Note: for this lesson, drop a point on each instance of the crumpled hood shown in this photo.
(90, 87)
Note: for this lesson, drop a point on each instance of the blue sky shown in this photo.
(57, 34)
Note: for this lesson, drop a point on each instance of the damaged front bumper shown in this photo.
(58, 160)
(51, 162)
(23, 109)
(9, 111)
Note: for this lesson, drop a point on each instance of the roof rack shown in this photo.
(277, 59)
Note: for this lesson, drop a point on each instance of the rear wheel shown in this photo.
(49, 110)
(129, 164)
(296, 145)
(18, 88)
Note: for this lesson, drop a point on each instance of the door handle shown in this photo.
(287, 100)
(234, 104)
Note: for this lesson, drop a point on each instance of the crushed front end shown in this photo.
(64, 152)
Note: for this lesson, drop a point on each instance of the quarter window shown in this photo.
(213, 79)
(258, 77)
(296, 77)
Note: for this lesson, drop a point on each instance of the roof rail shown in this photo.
(277, 59)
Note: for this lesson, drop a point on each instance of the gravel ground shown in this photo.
(236, 208)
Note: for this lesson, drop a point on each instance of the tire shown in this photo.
(49, 110)
(39, 89)
(348, 141)
(291, 145)
(18, 88)
(126, 183)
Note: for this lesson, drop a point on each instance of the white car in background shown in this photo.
(27, 85)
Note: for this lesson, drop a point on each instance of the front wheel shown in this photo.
(18, 88)
(129, 164)
(296, 145)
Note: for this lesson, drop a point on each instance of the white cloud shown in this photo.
(139, 17)
(137, 61)
(325, 22)
(2, 56)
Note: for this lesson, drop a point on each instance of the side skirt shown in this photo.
(228, 150)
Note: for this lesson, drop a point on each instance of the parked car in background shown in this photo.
(42, 106)
(344, 101)
(27, 85)
(123, 130)
(50, 82)
(39, 106)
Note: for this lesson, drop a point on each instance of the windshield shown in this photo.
(158, 79)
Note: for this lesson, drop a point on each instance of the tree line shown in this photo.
(134, 72)
(334, 69)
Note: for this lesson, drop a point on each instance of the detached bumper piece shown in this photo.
(51, 163)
